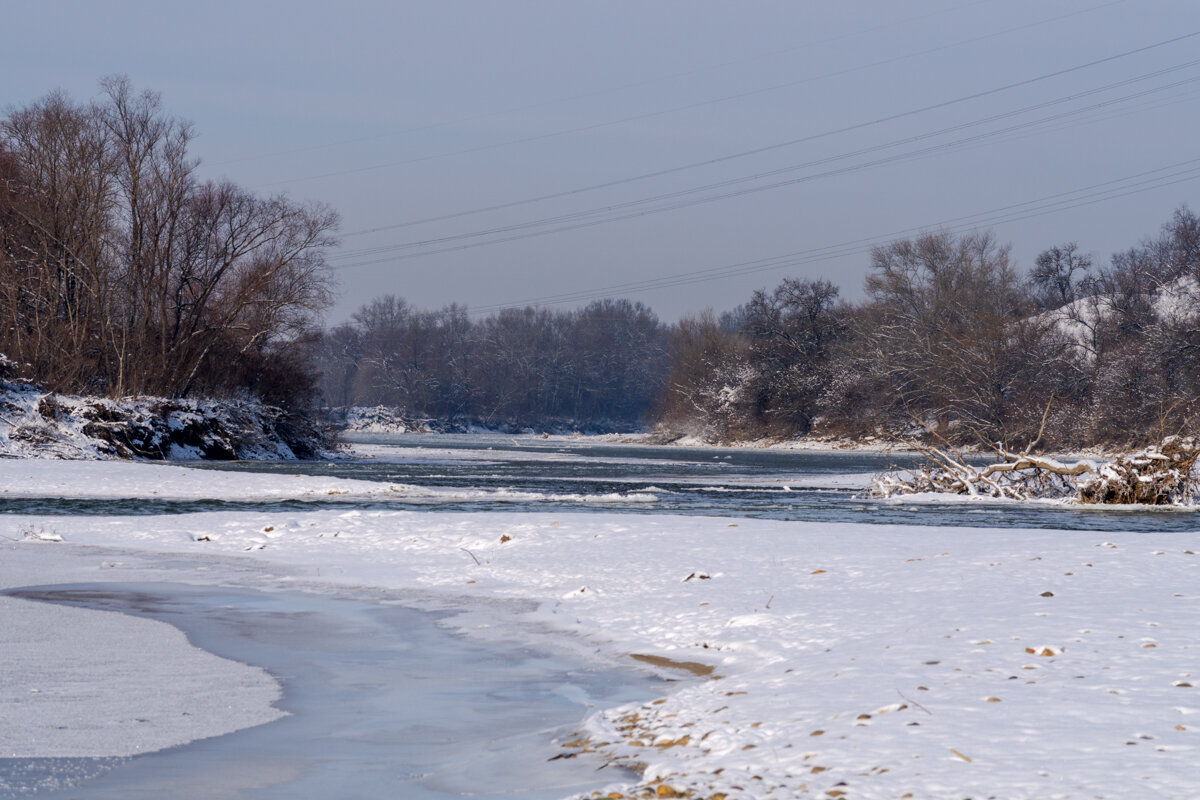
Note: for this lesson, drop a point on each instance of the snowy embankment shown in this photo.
(35, 478)
(379, 419)
(37, 424)
(815, 659)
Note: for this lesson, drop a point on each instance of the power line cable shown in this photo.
(1049, 205)
(789, 143)
(609, 210)
(636, 208)
(1176, 173)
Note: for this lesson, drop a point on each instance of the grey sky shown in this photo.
(399, 112)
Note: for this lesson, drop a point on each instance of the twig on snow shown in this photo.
(914, 703)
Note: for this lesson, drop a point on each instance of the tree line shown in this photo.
(951, 340)
(598, 366)
(122, 272)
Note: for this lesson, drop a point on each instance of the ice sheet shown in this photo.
(81, 683)
(383, 702)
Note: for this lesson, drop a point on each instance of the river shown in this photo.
(527, 473)
(383, 700)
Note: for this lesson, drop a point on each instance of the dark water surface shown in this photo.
(730, 482)
(492, 472)
(383, 702)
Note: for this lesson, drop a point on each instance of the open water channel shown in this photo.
(493, 472)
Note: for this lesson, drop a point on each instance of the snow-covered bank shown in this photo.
(37, 424)
(131, 480)
(810, 443)
(90, 480)
(872, 661)
(376, 421)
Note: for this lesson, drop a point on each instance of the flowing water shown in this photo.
(495, 472)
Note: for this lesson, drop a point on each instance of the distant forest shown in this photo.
(600, 367)
(950, 340)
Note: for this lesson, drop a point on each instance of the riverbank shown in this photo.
(874, 660)
(358, 420)
(39, 424)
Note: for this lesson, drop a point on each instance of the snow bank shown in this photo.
(36, 424)
(389, 419)
(90, 480)
(377, 419)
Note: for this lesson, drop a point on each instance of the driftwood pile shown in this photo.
(1159, 475)
(1156, 476)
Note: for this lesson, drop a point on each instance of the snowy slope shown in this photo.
(1178, 300)
(37, 424)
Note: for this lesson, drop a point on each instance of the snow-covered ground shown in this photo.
(825, 660)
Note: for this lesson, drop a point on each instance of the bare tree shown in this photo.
(1058, 273)
(792, 332)
(704, 389)
(62, 174)
(135, 277)
(953, 335)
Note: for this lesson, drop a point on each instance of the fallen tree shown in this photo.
(1163, 474)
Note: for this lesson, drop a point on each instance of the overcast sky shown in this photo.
(679, 153)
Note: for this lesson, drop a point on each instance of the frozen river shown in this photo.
(381, 702)
(542, 565)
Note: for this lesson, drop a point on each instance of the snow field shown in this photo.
(857, 661)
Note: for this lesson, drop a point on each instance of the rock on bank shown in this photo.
(37, 424)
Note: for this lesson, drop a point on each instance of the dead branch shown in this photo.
(1015, 476)
(1160, 475)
